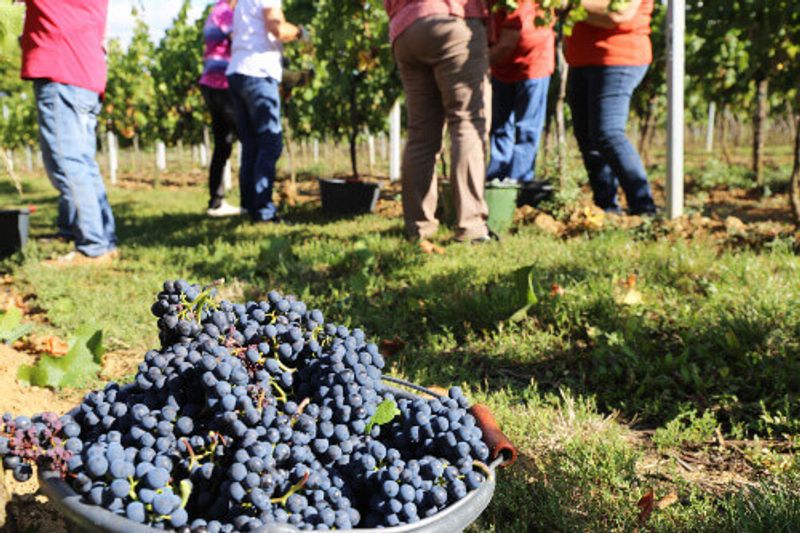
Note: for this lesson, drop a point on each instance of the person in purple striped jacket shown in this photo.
(214, 86)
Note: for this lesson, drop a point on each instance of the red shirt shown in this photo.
(63, 42)
(403, 13)
(626, 45)
(535, 55)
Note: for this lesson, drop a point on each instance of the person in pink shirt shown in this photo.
(441, 50)
(62, 53)
(214, 86)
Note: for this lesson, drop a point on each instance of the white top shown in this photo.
(255, 52)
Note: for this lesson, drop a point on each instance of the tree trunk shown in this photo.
(648, 129)
(759, 130)
(563, 71)
(723, 136)
(795, 186)
(791, 119)
(353, 133)
(290, 189)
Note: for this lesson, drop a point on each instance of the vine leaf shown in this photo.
(11, 326)
(79, 366)
(384, 414)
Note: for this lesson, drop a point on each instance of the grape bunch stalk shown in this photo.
(251, 414)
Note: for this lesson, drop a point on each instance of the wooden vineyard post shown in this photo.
(395, 142)
(161, 161)
(29, 157)
(371, 148)
(712, 120)
(113, 157)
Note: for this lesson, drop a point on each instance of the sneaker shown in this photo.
(76, 258)
(224, 210)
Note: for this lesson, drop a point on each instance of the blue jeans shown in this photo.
(600, 99)
(258, 120)
(67, 132)
(518, 113)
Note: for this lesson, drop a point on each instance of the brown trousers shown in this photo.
(444, 65)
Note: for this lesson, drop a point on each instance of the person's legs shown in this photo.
(461, 74)
(264, 107)
(501, 136)
(46, 100)
(580, 90)
(67, 122)
(247, 137)
(425, 118)
(530, 108)
(610, 109)
(219, 106)
(109, 224)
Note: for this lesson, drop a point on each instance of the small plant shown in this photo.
(687, 429)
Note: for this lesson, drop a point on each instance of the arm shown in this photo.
(278, 26)
(599, 14)
(505, 45)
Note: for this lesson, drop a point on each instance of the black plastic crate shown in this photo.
(349, 197)
(14, 225)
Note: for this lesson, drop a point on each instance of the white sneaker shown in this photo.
(224, 210)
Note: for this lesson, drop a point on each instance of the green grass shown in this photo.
(717, 335)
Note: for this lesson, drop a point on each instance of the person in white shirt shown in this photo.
(254, 73)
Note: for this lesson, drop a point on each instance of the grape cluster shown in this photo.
(253, 414)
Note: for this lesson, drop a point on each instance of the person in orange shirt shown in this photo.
(608, 55)
(522, 58)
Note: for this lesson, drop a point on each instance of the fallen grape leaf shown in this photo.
(666, 501)
(11, 326)
(56, 346)
(76, 368)
(632, 297)
(384, 414)
(646, 504)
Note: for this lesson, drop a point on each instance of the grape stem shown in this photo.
(294, 488)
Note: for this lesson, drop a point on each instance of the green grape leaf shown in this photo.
(11, 326)
(384, 414)
(530, 298)
(78, 367)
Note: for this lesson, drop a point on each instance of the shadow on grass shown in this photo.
(645, 365)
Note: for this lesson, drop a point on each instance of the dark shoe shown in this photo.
(489, 237)
(652, 212)
(277, 219)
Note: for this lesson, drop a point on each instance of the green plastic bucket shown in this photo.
(501, 197)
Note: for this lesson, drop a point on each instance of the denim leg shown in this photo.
(45, 100)
(530, 108)
(67, 123)
(502, 132)
(247, 137)
(259, 99)
(610, 102)
(109, 224)
(601, 177)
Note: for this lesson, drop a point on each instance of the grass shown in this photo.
(712, 339)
